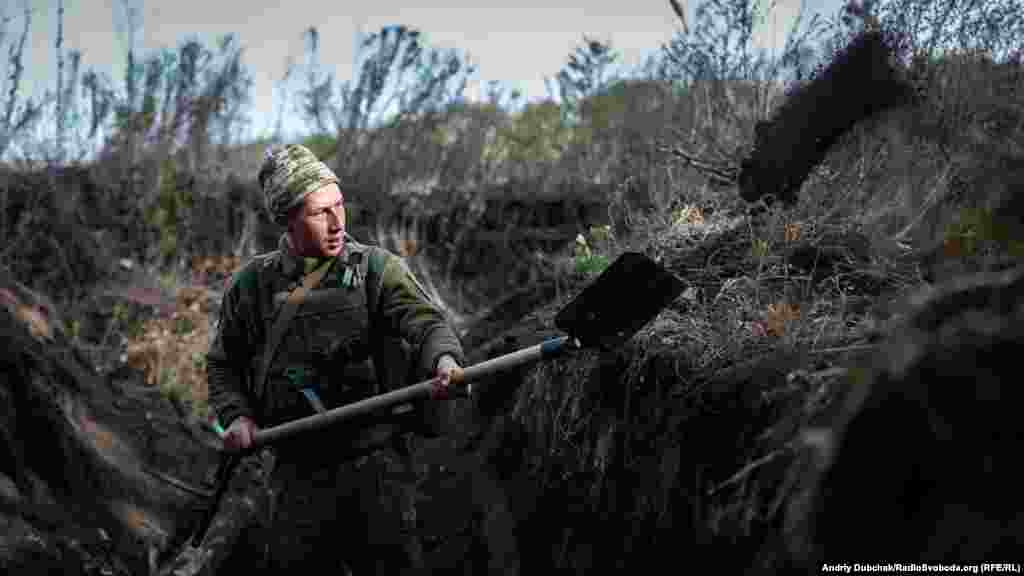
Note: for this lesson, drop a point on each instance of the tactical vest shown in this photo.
(330, 346)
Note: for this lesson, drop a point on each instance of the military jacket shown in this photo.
(353, 336)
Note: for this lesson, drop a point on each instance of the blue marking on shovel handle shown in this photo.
(552, 347)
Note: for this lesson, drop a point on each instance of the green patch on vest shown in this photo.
(247, 279)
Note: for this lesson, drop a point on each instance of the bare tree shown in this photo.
(398, 77)
(61, 102)
(316, 103)
(101, 100)
(681, 13)
(226, 89)
(282, 94)
(588, 71)
(128, 25)
(17, 117)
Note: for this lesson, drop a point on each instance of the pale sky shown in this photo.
(519, 42)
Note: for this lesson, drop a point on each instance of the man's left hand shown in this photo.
(446, 367)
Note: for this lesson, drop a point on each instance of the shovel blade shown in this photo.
(623, 298)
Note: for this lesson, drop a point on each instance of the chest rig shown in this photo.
(325, 356)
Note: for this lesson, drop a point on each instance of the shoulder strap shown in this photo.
(374, 268)
(283, 318)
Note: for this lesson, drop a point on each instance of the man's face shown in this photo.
(317, 226)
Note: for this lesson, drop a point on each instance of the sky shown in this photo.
(519, 42)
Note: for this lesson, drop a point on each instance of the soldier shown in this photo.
(367, 326)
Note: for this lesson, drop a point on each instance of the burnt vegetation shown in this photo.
(845, 213)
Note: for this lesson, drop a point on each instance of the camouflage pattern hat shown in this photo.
(288, 175)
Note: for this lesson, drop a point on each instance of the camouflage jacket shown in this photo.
(350, 337)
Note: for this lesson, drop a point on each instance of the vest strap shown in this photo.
(284, 316)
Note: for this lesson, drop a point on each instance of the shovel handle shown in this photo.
(547, 349)
(460, 379)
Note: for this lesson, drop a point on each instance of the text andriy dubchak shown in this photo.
(953, 568)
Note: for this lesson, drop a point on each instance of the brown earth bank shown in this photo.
(99, 474)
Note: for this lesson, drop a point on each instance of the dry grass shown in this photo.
(34, 317)
(593, 420)
(169, 348)
(745, 291)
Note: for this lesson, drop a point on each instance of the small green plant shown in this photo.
(591, 265)
(167, 281)
(974, 229)
(200, 408)
(74, 328)
(119, 312)
(168, 245)
(171, 207)
(601, 234)
(760, 248)
(961, 237)
(179, 393)
(586, 261)
(199, 361)
(121, 317)
(183, 325)
(168, 384)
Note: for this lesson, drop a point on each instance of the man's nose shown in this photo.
(334, 217)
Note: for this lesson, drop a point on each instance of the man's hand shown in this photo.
(238, 436)
(446, 366)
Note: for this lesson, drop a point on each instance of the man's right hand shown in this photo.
(239, 435)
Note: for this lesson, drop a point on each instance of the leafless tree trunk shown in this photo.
(17, 120)
(61, 102)
(132, 23)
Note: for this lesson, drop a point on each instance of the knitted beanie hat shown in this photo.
(288, 175)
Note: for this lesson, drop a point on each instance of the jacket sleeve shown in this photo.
(406, 309)
(227, 358)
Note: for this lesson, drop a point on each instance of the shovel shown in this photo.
(606, 313)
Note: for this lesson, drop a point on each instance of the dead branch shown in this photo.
(681, 13)
(748, 469)
(720, 173)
